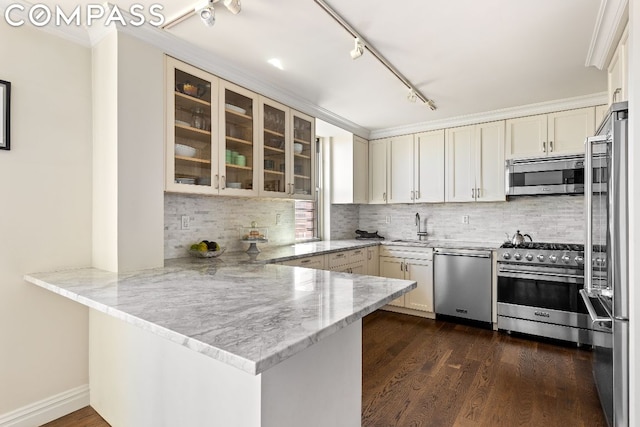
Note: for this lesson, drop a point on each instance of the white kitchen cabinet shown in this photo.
(378, 171)
(400, 173)
(238, 155)
(352, 261)
(475, 163)
(429, 168)
(551, 134)
(373, 260)
(617, 77)
(410, 263)
(349, 170)
(191, 159)
(317, 262)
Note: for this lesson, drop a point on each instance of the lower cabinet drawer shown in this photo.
(338, 258)
(316, 262)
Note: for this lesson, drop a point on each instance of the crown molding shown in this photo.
(490, 116)
(612, 18)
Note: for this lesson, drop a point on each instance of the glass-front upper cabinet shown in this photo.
(304, 152)
(239, 156)
(276, 149)
(192, 108)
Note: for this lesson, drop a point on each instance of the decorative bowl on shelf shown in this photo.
(234, 108)
(297, 148)
(185, 150)
(234, 185)
(206, 254)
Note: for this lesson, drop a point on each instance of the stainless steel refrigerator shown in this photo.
(606, 285)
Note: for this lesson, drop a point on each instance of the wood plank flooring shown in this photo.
(421, 372)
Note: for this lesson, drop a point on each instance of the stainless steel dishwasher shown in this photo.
(462, 283)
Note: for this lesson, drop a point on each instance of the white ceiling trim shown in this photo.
(612, 18)
(490, 116)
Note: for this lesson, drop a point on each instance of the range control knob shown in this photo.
(517, 256)
(529, 257)
(553, 258)
(506, 255)
(599, 262)
(540, 257)
(566, 259)
(579, 259)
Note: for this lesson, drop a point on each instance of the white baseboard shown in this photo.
(48, 409)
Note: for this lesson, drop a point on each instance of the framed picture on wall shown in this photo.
(5, 108)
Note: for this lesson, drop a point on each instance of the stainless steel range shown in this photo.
(538, 291)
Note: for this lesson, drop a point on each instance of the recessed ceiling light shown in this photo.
(276, 63)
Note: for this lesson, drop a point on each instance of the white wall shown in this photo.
(45, 214)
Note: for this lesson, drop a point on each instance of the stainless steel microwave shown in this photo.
(552, 175)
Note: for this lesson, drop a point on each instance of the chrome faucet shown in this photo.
(421, 234)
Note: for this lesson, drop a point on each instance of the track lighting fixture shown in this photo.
(360, 43)
(412, 97)
(358, 49)
(233, 6)
(208, 14)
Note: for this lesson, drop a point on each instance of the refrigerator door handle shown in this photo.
(588, 201)
(592, 311)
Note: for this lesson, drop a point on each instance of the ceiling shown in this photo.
(468, 56)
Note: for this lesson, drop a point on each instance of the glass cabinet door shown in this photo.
(238, 171)
(276, 162)
(191, 151)
(303, 156)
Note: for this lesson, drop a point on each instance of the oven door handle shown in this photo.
(527, 274)
(591, 309)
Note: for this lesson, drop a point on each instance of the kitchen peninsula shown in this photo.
(203, 342)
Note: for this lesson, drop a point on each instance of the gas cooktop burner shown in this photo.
(545, 246)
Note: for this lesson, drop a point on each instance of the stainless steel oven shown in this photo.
(538, 293)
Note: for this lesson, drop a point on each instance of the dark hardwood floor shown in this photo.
(421, 372)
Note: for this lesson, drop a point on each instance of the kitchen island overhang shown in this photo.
(230, 345)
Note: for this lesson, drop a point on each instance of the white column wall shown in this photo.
(45, 215)
(128, 83)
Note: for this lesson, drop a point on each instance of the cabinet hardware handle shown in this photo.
(550, 146)
(473, 193)
(413, 195)
(406, 267)
(384, 196)
(544, 146)
(402, 266)
(223, 181)
(477, 193)
(340, 256)
(304, 261)
(217, 182)
(357, 252)
(369, 254)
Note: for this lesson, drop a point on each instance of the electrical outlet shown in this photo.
(184, 224)
(278, 217)
(387, 219)
(465, 219)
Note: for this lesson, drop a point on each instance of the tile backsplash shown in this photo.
(558, 219)
(221, 219)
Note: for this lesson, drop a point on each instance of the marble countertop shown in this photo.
(445, 244)
(250, 316)
(299, 250)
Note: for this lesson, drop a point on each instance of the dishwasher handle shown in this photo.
(466, 254)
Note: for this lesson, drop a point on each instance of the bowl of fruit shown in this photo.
(206, 249)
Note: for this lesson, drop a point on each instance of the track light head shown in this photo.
(233, 6)
(208, 15)
(412, 96)
(358, 49)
